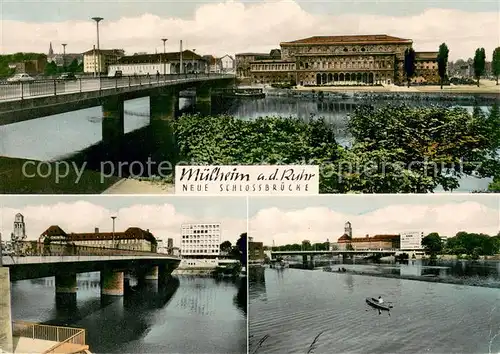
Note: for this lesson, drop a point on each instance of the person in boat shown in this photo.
(380, 300)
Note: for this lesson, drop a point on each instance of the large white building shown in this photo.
(411, 241)
(161, 63)
(200, 240)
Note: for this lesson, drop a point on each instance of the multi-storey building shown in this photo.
(97, 61)
(243, 60)
(342, 60)
(161, 63)
(200, 240)
(133, 238)
(346, 241)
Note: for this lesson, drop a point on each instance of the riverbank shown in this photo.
(16, 180)
(436, 279)
(485, 86)
(135, 186)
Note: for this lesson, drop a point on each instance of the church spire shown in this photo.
(51, 51)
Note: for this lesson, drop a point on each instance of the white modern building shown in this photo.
(411, 241)
(200, 240)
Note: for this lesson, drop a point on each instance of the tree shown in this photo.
(51, 69)
(306, 245)
(73, 66)
(442, 60)
(225, 246)
(409, 64)
(432, 244)
(241, 245)
(495, 63)
(479, 64)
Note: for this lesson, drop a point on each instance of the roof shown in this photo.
(376, 238)
(251, 54)
(117, 52)
(228, 56)
(350, 39)
(426, 55)
(134, 233)
(156, 58)
(344, 237)
(54, 230)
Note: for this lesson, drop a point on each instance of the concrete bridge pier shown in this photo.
(113, 125)
(6, 343)
(164, 108)
(305, 264)
(66, 289)
(204, 100)
(112, 283)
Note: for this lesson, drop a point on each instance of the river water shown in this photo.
(194, 315)
(289, 308)
(58, 136)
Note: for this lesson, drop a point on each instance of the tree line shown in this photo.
(238, 250)
(306, 245)
(479, 63)
(472, 245)
(395, 148)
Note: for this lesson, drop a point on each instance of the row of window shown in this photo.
(337, 49)
(200, 251)
(192, 236)
(201, 241)
(200, 226)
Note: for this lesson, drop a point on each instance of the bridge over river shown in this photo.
(65, 261)
(307, 256)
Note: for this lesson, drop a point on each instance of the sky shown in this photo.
(232, 26)
(322, 218)
(162, 215)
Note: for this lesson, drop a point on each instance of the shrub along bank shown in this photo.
(396, 149)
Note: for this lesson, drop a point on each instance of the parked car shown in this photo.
(67, 76)
(20, 78)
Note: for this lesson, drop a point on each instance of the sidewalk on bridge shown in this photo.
(133, 186)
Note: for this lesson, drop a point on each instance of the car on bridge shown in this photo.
(67, 76)
(23, 77)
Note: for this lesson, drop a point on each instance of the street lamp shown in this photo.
(97, 20)
(113, 244)
(164, 59)
(64, 55)
(192, 61)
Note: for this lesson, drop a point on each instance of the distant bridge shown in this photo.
(344, 253)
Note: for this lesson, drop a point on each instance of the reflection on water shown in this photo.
(188, 315)
(289, 309)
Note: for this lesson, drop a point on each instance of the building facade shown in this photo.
(161, 63)
(348, 242)
(200, 240)
(133, 238)
(342, 60)
(98, 61)
(227, 64)
(242, 63)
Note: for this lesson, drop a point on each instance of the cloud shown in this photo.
(317, 224)
(231, 27)
(82, 216)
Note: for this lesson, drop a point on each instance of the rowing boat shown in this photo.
(374, 303)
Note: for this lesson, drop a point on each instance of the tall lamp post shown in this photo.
(164, 59)
(192, 62)
(64, 55)
(113, 244)
(97, 20)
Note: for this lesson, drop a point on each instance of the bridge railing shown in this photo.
(50, 333)
(54, 87)
(60, 248)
